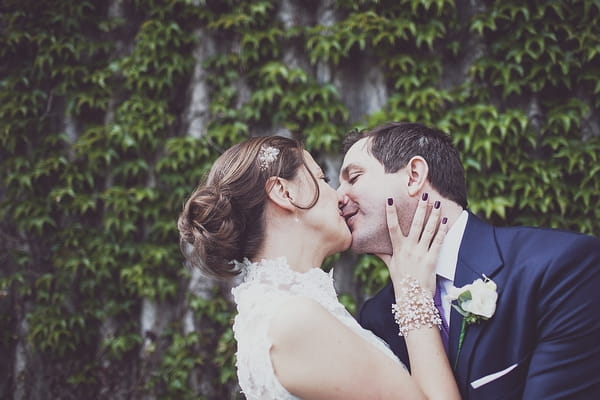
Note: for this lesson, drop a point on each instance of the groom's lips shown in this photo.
(348, 217)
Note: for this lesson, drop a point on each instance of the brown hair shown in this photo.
(394, 144)
(223, 219)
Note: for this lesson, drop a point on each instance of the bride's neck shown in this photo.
(301, 252)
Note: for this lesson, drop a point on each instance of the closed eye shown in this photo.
(325, 178)
(353, 178)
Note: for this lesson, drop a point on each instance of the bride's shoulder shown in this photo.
(295, 307)
(295, 317)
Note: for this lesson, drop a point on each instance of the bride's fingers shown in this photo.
(418, 221)
(439, 237)
(393, 226)
(431, 225)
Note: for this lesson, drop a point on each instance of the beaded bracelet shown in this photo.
(414, 307)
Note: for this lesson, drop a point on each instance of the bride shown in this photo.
(266, 212)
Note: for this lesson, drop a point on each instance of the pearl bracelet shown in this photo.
(414, 307)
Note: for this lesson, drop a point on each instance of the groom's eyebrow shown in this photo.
(347, 169)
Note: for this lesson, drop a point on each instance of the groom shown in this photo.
(543, 341)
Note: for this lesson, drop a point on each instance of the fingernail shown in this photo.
(444, 220)
(425, 196)
(390, 201)
(437, 204)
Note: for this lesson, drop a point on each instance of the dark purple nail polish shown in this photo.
(390, 201)
(425, 196)
(437, 204)
(444, 220)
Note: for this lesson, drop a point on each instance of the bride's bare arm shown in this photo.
(315, 356)
(414, 257)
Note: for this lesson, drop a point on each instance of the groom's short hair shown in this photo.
(394, 144)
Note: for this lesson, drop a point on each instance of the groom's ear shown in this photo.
(278, 192)
(418, 174)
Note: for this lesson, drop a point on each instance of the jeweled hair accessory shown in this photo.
(266, 155)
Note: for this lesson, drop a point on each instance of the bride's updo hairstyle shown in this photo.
(224, 218)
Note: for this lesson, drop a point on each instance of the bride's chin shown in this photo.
(339, 247)
(339, 241)
(345, 245)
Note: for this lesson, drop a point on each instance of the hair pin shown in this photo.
(266, 155)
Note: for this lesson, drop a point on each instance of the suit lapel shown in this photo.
(478, 255)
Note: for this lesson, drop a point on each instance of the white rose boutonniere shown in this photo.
(475, 302)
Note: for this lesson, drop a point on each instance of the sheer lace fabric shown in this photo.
(264, 287)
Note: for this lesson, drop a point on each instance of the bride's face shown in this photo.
(324, 218)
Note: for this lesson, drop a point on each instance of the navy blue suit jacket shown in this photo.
(547, 319)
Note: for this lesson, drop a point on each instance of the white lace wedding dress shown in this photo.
(258, 297)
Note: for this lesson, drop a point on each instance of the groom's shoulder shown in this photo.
(522, 243)
(547, 245)
(546, 237)
(529, 236)
(548, 258)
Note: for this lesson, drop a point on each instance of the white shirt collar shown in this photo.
(446, 265)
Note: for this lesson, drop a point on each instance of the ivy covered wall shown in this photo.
(112, 110)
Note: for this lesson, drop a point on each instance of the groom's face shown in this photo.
(365, 188)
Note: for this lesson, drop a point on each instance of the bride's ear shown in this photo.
(418, 174)
(278, 192)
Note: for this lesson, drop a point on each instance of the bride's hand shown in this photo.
(416, 254)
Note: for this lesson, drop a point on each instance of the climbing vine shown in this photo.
(96, 154)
